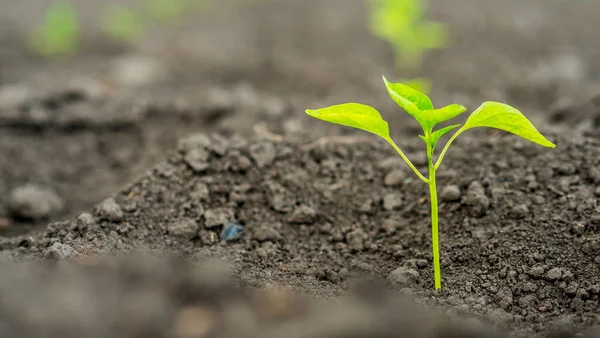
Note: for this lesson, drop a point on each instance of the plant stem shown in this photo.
(443, 153)
(434, 223)
(417, 172)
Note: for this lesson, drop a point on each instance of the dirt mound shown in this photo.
(519, 223)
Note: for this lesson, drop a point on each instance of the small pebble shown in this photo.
(520, 211)
(356, 239)
(403, 277)
(303, 215)
(450, 193)
(34, 202)
(392, 201)
(266, 233)
(394, 178)
(197, 160)
(185, 229)
(84, 221)
(554, 274)
(109, 210)
(200, 192)
(476, 200)
(59, 251)
(217, 217)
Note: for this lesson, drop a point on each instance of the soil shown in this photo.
(193, 144)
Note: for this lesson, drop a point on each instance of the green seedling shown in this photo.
(122, 23)
(418, 105)
(167, 11)
(59, 33)
(402, 24)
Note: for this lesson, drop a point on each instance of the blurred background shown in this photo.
(93, 93)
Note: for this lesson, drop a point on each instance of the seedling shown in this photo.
(59, 33)
(123, 23)
(401, 23)
(168, 11)
(418, 105)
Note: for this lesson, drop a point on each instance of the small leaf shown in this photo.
(354, 115)
(433, 117)
(504, 117)
(409, 99)
(431, 35)
(436, 135)
(420, 84)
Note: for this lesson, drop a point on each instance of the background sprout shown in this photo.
(419, 106)
(167, 10)
(401, 23)
(59, 33)
(122, 23)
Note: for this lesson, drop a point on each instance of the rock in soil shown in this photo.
(394, 178)
(450, 193)
(217, 217)
(60, 251)
(109, 210)
(34, 202)
(404, 277)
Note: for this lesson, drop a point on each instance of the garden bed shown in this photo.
(328, 231)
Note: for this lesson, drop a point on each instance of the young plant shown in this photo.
(59, 33)
(122, 23)
(401, 23)
(169, 11)
(418, 105)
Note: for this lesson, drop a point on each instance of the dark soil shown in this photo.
(519, 240)
(194, 143)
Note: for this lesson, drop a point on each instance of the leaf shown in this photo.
(59, 32)
(354, 115)
(431, 35)
(504, 117)
(122, 23)
(409, 99)
(436, 135)
(421, 84)
(433, 117)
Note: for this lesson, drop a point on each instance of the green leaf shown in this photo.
(59, 33)
(436, 135)
(433, 117)
(408, 98)
(420, 84)
(431, 35)
(354, 115)
(122, 23)
(504, 117)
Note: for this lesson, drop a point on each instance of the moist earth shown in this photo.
(254, 220)
(519, 223)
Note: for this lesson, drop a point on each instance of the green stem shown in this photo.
(407, 161)
(443, 153)
(434, 223)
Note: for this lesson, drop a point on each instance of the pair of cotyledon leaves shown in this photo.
(418, 105)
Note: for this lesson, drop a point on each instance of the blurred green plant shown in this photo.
(168, 11)
(123, 23)
(59, 32)
(401, 23)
